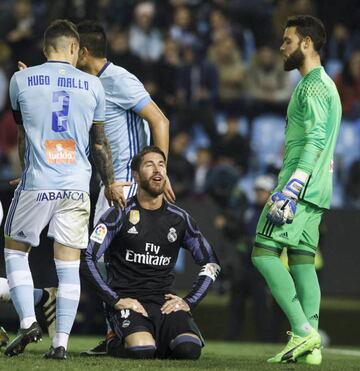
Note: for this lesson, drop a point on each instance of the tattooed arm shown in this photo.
(101, 153)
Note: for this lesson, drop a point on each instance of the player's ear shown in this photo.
(307, 42)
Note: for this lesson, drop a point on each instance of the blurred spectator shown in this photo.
(8, 145)
(5, 55)
(17, 28)
(119, 52)
(348, 84)
(238, 224)
(180, 170)
(197, 92)
(268, 86)
(352, 188)
(232, 147)
(339, 49)
(221, 181)
(203, 164)
(167, 72)
(220, 26)
(226, 56)
(182, 29)
(145, 39)
(285, 8)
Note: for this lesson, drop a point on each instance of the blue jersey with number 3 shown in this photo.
(58, 105)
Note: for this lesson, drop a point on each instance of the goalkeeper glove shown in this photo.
(283, 204)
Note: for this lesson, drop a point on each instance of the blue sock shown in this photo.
(21, 285)
(67, 300)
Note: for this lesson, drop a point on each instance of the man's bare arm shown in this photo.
(101, 153)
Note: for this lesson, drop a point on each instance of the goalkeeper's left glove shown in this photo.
(283, 204)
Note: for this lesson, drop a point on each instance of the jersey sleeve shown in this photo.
(204, 255)
(130, 93)
(100, 240)
(99, 114)
(14, 93)
(315, 108)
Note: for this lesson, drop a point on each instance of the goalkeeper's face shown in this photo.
(151, 176)
(291, 50)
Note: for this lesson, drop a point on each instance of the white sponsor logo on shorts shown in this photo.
(126, 323)
(60, 195)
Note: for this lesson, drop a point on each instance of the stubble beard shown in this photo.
(154, 191)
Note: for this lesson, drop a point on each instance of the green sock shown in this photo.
(308, 289)
(283, 289)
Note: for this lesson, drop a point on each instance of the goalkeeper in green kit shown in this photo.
(292, 216)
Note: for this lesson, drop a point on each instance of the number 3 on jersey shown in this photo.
(60, 117)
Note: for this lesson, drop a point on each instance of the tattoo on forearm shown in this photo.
(101, 153)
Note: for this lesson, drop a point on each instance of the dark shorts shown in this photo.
(163, 327)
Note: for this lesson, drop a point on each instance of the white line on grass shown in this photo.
(345, 352)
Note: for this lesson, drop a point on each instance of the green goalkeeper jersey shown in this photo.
(312, 127)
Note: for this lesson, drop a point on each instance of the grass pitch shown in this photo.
(216, 356)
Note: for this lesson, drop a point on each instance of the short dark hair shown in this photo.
(138, 158)
(307, 25)
(93, 38)
(57, 29)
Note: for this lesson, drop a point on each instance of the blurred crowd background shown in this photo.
(215, 69)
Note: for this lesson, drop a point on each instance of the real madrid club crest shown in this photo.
(134, 216)
(172, 236)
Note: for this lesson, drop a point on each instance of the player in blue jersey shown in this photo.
(141, 244)
(131, 115)
(56, 107)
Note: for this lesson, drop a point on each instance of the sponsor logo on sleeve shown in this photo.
(99, 233)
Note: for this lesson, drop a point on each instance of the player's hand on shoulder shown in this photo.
(168, 192)
(173, 304)
(114, 193)
(133, 304)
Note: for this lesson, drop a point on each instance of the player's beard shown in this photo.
(153, 188)
(295, 60)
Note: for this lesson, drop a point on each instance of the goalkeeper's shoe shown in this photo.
(33, 334)
(4, 338)
(58, 353)
(297, 346)
(101, 349)
(49, 310)
(311, 358)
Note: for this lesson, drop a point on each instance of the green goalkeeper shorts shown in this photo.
(302, 234)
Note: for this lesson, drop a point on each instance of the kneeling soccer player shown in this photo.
(141, 245)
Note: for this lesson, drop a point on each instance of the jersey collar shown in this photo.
(103, 68)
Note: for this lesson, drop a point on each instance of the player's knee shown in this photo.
(140, 352)
(186, 351)
(186, 347)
